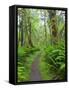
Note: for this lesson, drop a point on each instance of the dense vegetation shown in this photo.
(41, 31)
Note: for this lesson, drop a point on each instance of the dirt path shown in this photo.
(35, 73)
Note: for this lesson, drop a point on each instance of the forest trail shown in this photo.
(35, 73)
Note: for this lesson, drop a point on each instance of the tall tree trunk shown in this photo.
(30, 41)
(26, 31)
(45, 27)
(29, 36)
(53, 26)
(19, 31)
(22, 33)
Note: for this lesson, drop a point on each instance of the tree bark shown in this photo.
(22, 30)
(53, 26)
(30, 31)
(45, 27)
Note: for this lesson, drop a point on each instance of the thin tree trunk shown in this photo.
(22, 36)
(45, 27)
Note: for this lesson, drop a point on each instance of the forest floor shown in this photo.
(35, 72)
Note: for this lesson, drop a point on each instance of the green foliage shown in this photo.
(44, 31)
(24, 64)
(24, 51)
(55, 56)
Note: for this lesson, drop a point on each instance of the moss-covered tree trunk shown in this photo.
(53, 26)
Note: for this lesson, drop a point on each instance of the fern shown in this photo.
(55, 56)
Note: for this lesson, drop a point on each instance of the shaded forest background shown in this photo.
(41, 32)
